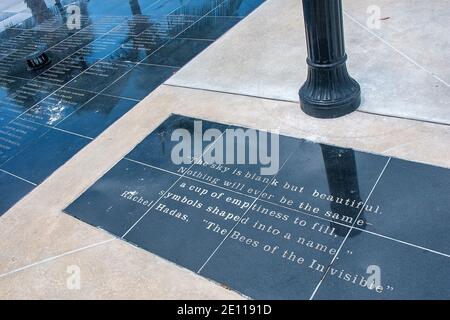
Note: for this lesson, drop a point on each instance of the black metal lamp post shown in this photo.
(329, 91)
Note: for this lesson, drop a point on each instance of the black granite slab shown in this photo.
(140, 81)
(16, 136)
(210, 28)
(137, 48)
(246, 178)
(100, 25)
(406, 272)
(156, 148)
(131, 190)
(67, 70)
(177, 52)
(273, 266)
(119, 8)
(57, 106)
(95, 116)
(46, 154)
(167, 26)
(181, 222)
(236, 8)
(414, 205)
(14, 62)
(73, 43)
(100, 75)
(328, 182)
(197, 7)
(102, 47)
(330, 223)
(162, 8)
(7, 114)
(21, 94)
(12, 190)
(114, 36)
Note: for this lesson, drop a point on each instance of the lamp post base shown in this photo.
(331, 109)
(329, 92)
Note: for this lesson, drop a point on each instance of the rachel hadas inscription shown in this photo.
(291, 189)
(135, 197)
(270, 237)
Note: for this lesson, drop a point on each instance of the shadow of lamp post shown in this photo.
(329, 91)
(342, 176)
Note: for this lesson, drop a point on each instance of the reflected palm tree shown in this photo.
(135, 7)
(134, 44)
(79, 58)
(38, 9)
(165, 130)
(138, 22)
(61, 10)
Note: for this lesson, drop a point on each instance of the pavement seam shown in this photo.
(404, 55)
(52, 258)
(297, 102)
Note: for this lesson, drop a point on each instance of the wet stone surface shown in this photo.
(326, 223)
(99, 69)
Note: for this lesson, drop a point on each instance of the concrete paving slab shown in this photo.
(265, 56)
(114, 270)
(406, 26)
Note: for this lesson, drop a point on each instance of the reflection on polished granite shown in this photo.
(121, 51)
(330, 223)
(96, 115)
